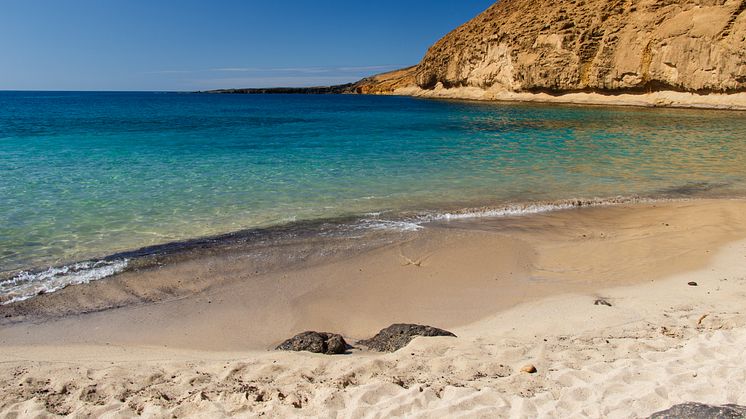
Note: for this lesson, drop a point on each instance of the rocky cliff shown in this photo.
(564, 46)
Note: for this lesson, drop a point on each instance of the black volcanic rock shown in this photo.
(398, 336)
(701, 411)
(316, 342)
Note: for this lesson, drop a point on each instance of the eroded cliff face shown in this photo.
(386, 82)
(592, 45)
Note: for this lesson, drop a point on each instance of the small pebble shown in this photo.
(692, 284)
(530, 369)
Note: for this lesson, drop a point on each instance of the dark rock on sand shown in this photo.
(316, 342)
(692, 284)
(602, 302)
(398, 336)
(336, 345)
(701, 411)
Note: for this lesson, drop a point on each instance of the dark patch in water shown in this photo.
(295, 230)
(692, 189)
(237, 241)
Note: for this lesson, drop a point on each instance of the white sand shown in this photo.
(662, 342)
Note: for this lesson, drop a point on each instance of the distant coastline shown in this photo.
(316, 90)
(655, 99)
(402, 83)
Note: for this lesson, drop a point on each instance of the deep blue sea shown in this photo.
(85, 175)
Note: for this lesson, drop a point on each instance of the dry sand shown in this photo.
(664, 99)
(515, 290)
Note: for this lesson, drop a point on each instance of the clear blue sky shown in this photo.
(208, 44)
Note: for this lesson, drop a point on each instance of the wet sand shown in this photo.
(198, 330)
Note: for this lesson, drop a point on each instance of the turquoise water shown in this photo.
(84, 175)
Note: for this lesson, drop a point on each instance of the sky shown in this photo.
(186, 45)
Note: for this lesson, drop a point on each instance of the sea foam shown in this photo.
(512, 210)
(414, 223)
(29, 284)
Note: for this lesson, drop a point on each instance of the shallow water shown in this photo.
(84, 175)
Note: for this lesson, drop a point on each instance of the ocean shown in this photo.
(85, 178)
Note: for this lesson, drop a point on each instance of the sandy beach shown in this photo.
(656, 99)
(480, 209)
(515, 290)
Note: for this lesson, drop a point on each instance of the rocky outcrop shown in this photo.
(386, 82)
(564, 46)
(398, 336)
(701, 411)
(689, 53)
(316, 342)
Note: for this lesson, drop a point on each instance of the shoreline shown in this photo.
(378, 230)
(658, 99)
(661, 341)
(475, 266)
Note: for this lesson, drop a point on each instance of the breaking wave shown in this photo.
(29, 284)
